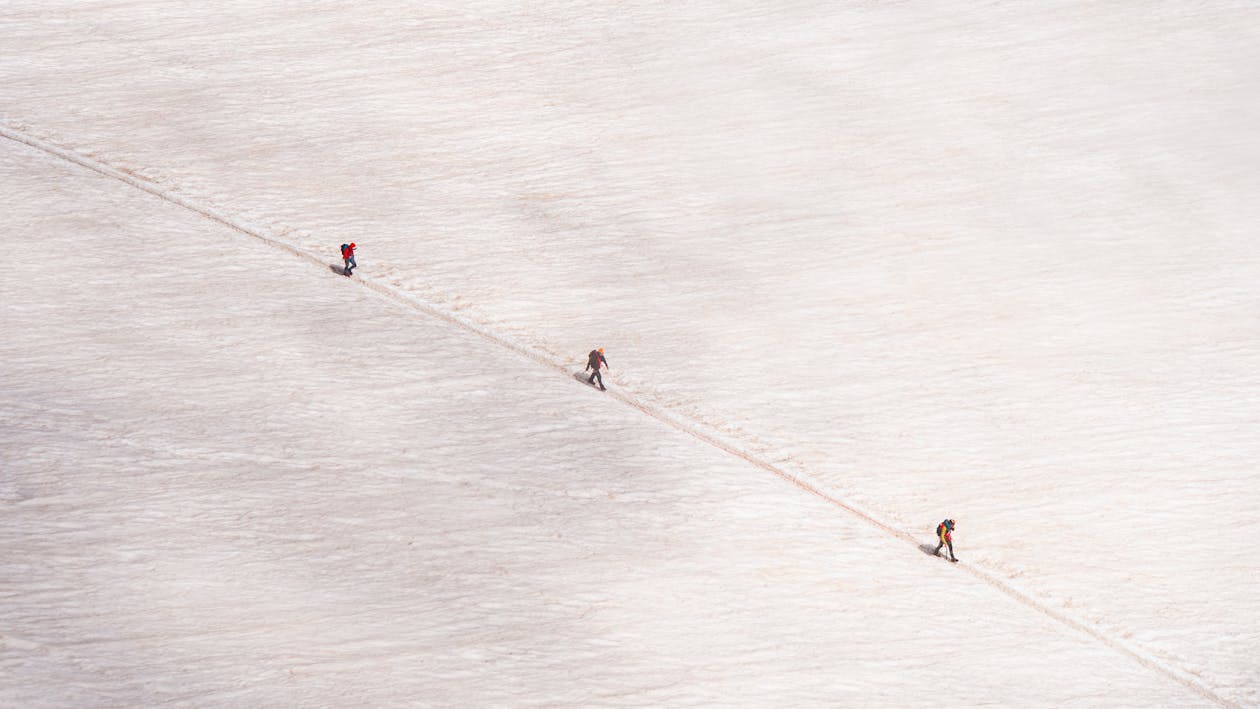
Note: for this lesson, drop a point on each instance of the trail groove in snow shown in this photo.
(696, 429)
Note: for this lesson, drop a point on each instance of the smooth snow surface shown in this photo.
(856, 266)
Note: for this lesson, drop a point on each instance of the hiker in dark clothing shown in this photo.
(593, 361)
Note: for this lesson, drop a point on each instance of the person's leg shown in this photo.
(951, 551)
(599, 378)
(937, 552)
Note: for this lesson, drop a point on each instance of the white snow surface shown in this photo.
(856, 266)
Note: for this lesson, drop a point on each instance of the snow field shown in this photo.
(989, 263)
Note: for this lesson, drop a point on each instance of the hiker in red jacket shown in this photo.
(347, 255)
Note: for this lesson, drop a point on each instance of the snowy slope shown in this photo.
(234, 478)
(997, 264)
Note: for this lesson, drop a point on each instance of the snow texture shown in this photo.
(856, 266)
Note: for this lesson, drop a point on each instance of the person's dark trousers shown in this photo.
(951, 549)
(593, 377)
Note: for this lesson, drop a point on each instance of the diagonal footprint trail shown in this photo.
(693, 428)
